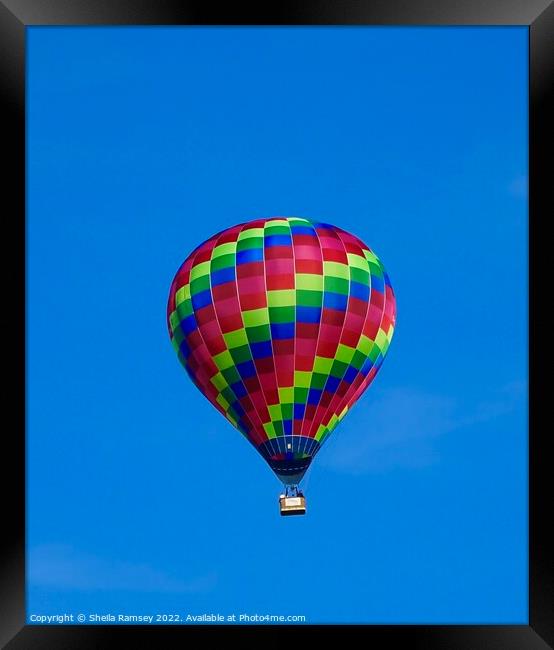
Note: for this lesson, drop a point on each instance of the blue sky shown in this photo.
(142, 142)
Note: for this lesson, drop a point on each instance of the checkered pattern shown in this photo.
(282, 323)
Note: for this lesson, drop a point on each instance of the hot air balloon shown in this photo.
(282, 323)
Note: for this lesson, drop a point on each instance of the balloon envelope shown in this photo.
(282, 324)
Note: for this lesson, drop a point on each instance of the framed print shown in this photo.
(273, 293)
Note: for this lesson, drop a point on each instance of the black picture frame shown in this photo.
(15, 16)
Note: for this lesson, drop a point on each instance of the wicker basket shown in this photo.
(292, 505)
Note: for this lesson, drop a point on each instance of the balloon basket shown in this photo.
(295, 505)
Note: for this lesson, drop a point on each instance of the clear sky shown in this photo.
(143, 142)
